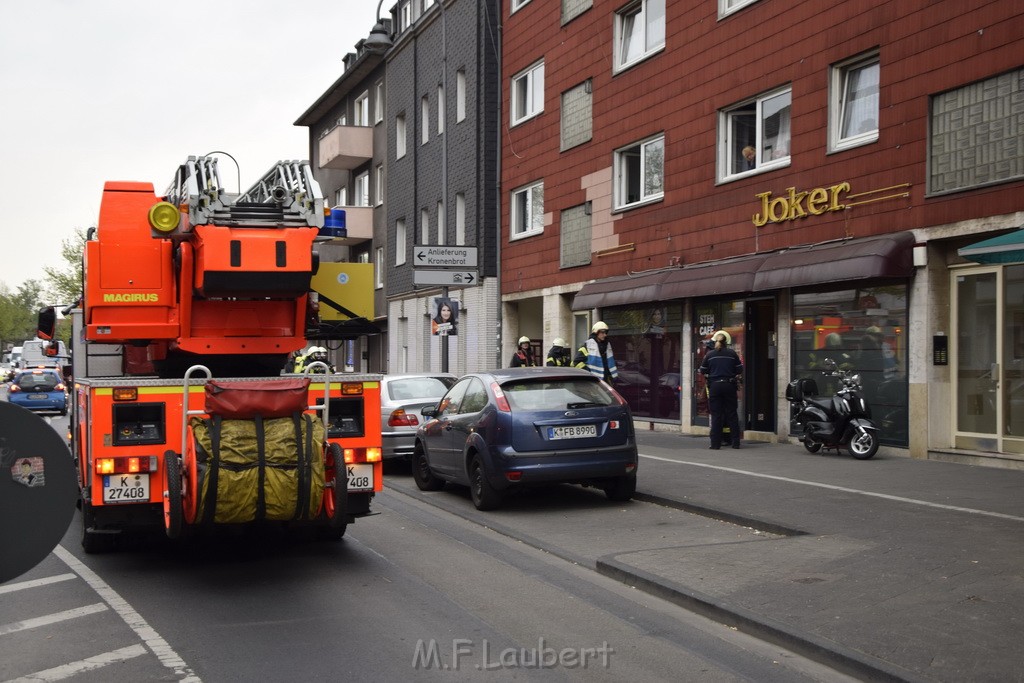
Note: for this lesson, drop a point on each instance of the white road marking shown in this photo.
(168, 657)
(59, 673)
(844, 489)
(35, 583)
(54, 618)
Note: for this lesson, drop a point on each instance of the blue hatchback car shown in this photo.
(502, 430)
(38, 390)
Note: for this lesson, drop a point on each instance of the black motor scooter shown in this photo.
(839, 421)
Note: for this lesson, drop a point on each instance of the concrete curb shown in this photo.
(829, 653)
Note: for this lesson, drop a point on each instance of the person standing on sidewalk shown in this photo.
(722, 367)
(558, 355)
(523, 357)
(596, 354)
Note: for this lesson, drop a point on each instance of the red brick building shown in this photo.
(800, 174)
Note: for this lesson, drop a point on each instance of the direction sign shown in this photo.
(441, 256)
(444, 278)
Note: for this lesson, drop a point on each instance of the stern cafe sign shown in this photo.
(802, 204)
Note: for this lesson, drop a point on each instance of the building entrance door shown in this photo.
(760, 366)
(987, 357)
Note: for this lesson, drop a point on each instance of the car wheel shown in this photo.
(425, 479)
(485, 496)
(621, 489)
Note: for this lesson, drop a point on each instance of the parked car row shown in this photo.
(501, 431)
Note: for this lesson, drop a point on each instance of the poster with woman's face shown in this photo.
(446, 316)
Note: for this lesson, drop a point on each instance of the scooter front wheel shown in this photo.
(864, 443)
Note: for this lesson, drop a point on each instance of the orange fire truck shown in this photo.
(182, 416)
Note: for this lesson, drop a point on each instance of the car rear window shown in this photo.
(566, 394)
(417, 387)
(40, 381)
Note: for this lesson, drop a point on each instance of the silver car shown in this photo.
(401, 399)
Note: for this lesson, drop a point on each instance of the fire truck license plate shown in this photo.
(126, 488)
(360, 477)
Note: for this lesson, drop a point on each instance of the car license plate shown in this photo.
(126, 488)
(360, 477)
(38, 397)
(573, 432)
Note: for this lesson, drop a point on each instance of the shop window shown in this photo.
(639, 173)
(646, 342)
(639, 32)
(864, 331)
(527, 93)
(755, 135)
(853, 106)
(528, 210)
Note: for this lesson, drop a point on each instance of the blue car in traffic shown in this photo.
(39, 390)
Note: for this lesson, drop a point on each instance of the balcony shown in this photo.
(346, 147)
(358, 225)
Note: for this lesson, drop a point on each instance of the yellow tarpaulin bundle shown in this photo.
(270, 469)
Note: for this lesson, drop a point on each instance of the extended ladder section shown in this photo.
(286, 196)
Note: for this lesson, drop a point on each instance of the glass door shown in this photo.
(989, 325)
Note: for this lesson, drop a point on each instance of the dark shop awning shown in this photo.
(886, 256)
(1008, 248)
(619, 291)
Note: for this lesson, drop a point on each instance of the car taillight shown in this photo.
(499, 398)
(613, 424)
(400, 418)
(59, 387)
(13, 389)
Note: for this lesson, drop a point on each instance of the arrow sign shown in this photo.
(444, 278)
(444, 256)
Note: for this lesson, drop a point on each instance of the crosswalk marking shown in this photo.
(48, 619)
(59, 673)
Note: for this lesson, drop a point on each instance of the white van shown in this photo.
(33, 354)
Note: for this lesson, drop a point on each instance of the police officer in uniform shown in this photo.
(723, 368)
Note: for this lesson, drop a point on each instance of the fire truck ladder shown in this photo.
(286, 196)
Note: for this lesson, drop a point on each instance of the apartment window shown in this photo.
(424, 117)
(378, 182)
(519, 4)
(378, 102)
(460, 95)
(362, 189)
(400, 241)
(754, 135)
(424, 226)
(400, 136)
(404, 15)
(442, 228)
(853, 105)
(528, 210)
(639, 32)
(341, 197)
(460, 218)
(378, 268)
(361, 115)
(528, 93)
(342, 120)
(726, 7)
(640, 173)
(440, 109)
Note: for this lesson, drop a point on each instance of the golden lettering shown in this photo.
(791, 205)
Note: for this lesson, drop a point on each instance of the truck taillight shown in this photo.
(354, 455)
(129, 464)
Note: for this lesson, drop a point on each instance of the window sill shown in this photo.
(637, 205)
(781, 163)
(616, 70)
(519, 122)
(524, 235)
(853, 143)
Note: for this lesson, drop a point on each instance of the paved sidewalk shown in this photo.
(890, 569)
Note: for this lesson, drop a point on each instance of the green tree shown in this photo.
(64, 285)
(18, 311)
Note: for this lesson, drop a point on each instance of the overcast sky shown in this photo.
(97, 90)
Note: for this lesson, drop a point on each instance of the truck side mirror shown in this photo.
(47, 324)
